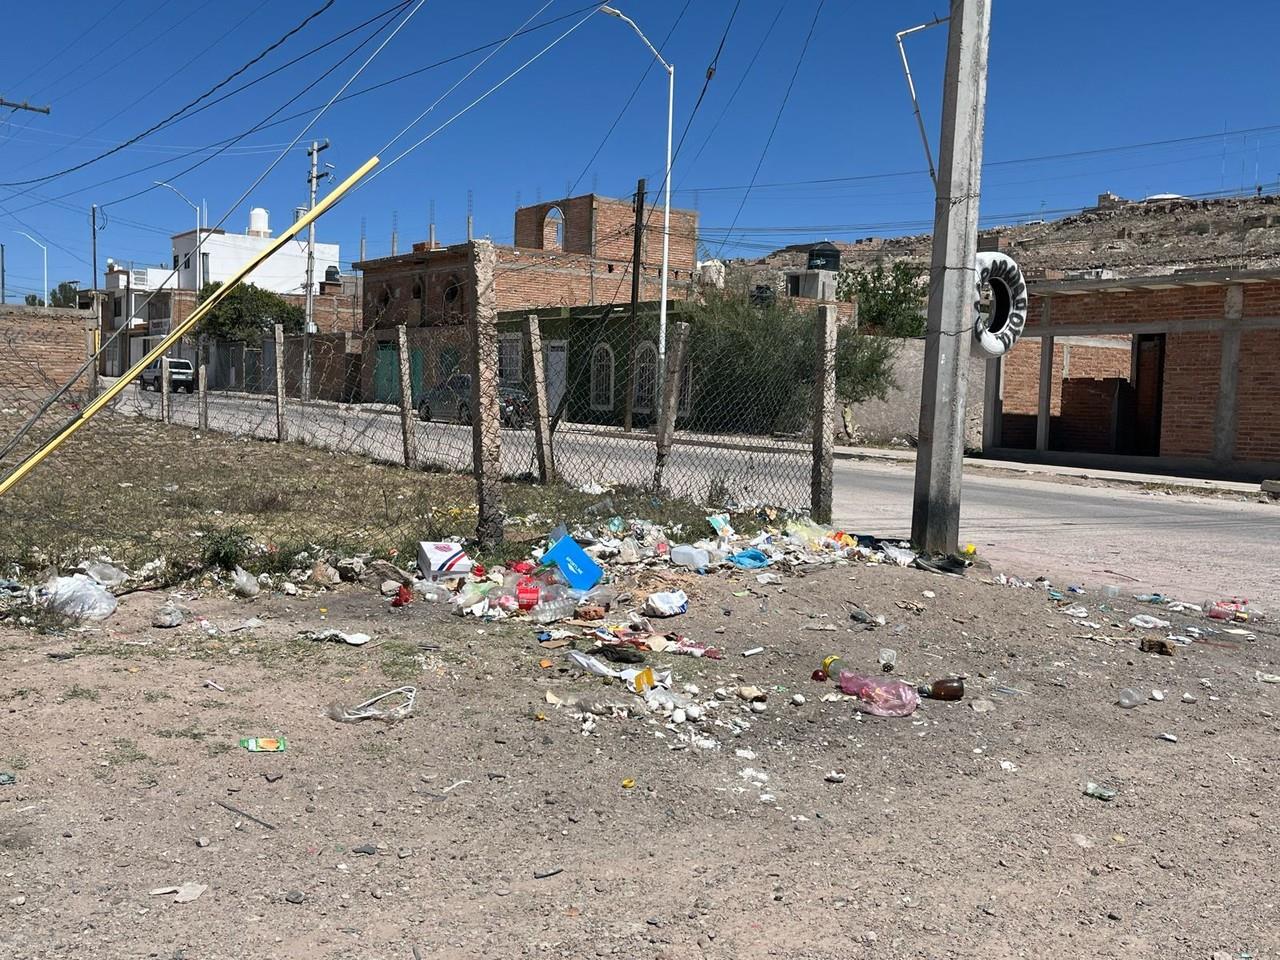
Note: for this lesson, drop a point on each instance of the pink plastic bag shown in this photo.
(883, 698)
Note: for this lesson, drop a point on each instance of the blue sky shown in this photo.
(1064, 79)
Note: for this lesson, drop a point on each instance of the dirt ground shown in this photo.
(955, 833)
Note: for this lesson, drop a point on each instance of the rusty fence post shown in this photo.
(406, 397)
(824, 406)
(541, 416)
(670, 401)
(486, 425)
(281, 433)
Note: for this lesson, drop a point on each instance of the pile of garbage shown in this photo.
(569, 577)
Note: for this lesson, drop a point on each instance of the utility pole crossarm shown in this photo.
(24, 105)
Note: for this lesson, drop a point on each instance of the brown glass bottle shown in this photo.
(952, 688)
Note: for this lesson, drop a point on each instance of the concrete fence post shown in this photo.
(164, 389)
(281, 432)
(541, 416)
(202, 384)
(406, 397)
(670, 401)
(486, 426)
(824, 408)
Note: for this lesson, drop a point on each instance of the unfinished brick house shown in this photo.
(568, 253)
(1177, 373)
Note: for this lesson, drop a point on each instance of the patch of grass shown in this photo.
(398, 660)
(22, 693)
(377, 749)
(126, 751)
(211, 704)
(78, 692)
(224, 549)
(216, 748)
(17, 763)
(187, 733)
(155, 696)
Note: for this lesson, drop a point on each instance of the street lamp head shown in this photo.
(605, 8)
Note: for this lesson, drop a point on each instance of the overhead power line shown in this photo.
(177, 113)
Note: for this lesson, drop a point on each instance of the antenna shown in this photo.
(362, 228)
(470, 197)
(395, 229)
(431, 227)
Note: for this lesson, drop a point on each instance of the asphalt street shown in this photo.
(1182, 545)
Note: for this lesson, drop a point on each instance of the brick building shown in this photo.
(41, 348)
(1176, 373)
(570, 253)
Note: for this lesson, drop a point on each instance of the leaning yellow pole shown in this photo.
(181, 330)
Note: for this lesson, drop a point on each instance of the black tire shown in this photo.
(464, 414)
(189, 389)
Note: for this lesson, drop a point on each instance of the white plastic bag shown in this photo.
(245, 585)
(667, 604)
(79, 597)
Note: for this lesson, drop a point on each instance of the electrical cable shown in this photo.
(778, 116)
(177, 113)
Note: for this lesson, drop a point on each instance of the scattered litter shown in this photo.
(336, 636)
(368, 710)
(403, 596)
(215, 686)
(547, 874)
(244, 584)
(821, 627)
(1129, 698)
(752, 694)
(185, 893)
(1008, 766)
(1076, 611)
(442, 559)
(888, 659)
(928, 594)
(1157, 695)
(750, 559)
(898, 555)
(639, 680)
(78, 597)
(264, 744)
(1099, 792)
(241, 813)
(1147, 622)
(768, 579)
(666, 604)
(253, 623)
(834, 776)
(881, 698)
(1081, 841)
(105, 573)
(8, 779)
(1266, 677)
(577, 568)
(753, 651)
(1169, 737)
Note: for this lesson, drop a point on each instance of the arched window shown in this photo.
(602, 377)
(453, 298)
(646, 378)
(553, 230)
(417, 289)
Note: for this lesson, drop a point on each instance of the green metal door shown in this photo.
(386, 375)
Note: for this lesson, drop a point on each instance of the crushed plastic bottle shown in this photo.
(1232, 608)
(879, 697)
(553, 610)
(1129, 698)
(629, 551)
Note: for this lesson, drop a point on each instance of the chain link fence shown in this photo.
(378, 443)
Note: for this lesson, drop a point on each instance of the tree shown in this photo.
(756, 364)
(65, 294)
(889, 301)
(33, 300)
(248, 312)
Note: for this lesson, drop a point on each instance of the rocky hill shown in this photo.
(1115, 238)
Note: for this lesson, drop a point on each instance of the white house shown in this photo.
(224, 253)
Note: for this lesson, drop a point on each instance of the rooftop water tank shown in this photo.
(258, 222)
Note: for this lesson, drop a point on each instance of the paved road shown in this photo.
(1182, 545)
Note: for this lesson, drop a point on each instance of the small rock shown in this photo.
(1222, 955)
(389, 588)
(1188, 698)
(294, 896)
(750, 694)
(289, 589)
(982, 706)
(759, 706)
(1157, 695)
(1081, 841)
(18, 901)
(202, 841)
(1169, 737)
(310, 808)
(693, 712)
(350, 569)
(502, 892)
(798, 699)
(928, 594)
(324, 574)
(1159, 645)
(368, 849)
(678, 716)
(835, 776)
(376, 894)
(1113, 916)
(272, 777)
(167, 617)
(404, 853)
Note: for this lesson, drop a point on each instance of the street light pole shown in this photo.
(45, 251)
(312, 178)
(666, 210)
(196, 252)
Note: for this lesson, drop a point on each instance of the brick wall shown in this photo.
(333, 312)
(1087, 421)
(41, 348)
(1257, 425)
(604, 227)
(1191, 362)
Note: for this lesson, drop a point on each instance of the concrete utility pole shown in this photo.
(935, 520)
(3, 299)
(637, 249)
(313, 152)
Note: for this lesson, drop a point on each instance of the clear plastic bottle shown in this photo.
(552, 610)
